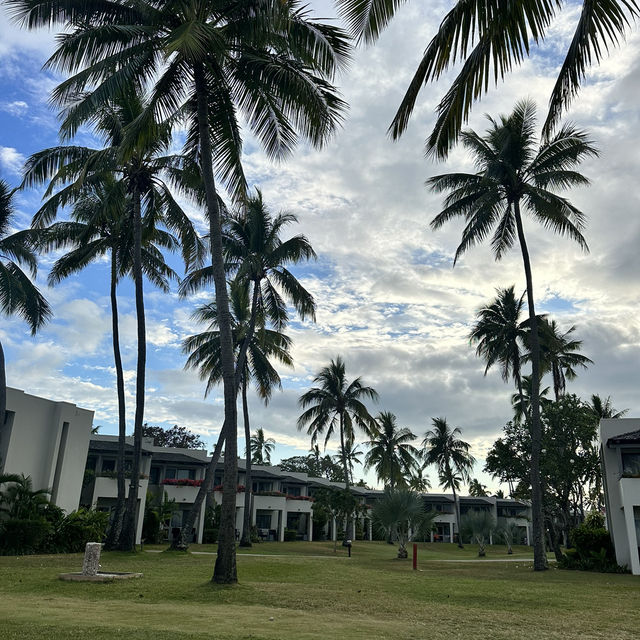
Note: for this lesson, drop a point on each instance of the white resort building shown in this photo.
(52, 443)
(620, 455)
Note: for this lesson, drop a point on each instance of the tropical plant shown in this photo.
(261, 448)
(559, 355)
(19, 500)
(417, 480)
(205, 354)
(450, 455)
(478, 525)
(18, 295)
(391, 453)
(336, 406)
(604, 409)
(508, 533)
(490, 39)
(515, 177)
(477, 489)
(100, 225)
(353, 455)
(400, 514)
(214, 63)
(500, 335)
(521, 403)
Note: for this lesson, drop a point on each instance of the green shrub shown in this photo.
(210, 536)
(21, 537)
(586, 540)
(151, 527)
(253, 534)
(82, 526)
(290, 535)
(593, 549)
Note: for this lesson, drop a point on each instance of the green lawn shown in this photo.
(294, 595)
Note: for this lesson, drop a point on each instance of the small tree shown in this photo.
(401, 515)
(508, 533)
(477, 526)
(178, 437)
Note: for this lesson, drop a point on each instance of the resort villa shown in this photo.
(620, 455)
(52, 442)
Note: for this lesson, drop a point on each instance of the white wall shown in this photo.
(48, 441)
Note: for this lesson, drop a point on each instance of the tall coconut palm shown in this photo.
(450, 455)
(477, 489)
(205, 355)
(499, 334)
(391, 453)
(604, 408)
(140, 168)
(214, 62)
(260, 448)
(353, 455)
(100, 225)
(417, 480)
(490, 38)
(515, 176)
(336, 405)
(559, 355)
(18, 295)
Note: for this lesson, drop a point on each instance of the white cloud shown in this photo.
(11, 160)
(16, 108)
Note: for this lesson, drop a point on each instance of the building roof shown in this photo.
(631, 437)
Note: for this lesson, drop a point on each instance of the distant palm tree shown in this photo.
(522, 403)
(353, 455)
(489, 39)
(500, 334)
(18, 295)
(604, 409)
(450, 455)
(515, 176)
(261, 448)
(336, 406)
(417, 480)
(559, 355)
(391, 453)
(205, 354)
(477, 489)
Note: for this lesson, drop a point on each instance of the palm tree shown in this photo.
(140, 167)
(353, 454)
(477, 489)
(99, 226)
(522, 403)
(261, 448)
(490, 39)
(604, 409)
(22, 501)
(451, 456)
(336, 405)
(205, 355)
(559, 355)
(391, 453)
(18, 295)
(513, 177)
(499, 334)
(417, 480)
(214, 62)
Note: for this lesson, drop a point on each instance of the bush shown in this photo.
(210, 536)
(151, 527)
(290, 535)
(82, 526)
(21, 537)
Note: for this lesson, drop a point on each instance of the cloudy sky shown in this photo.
(389, 300)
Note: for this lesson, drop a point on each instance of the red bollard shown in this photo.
(415, 556)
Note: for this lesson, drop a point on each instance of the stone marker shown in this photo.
(91, 562)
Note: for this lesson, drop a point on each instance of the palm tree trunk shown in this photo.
(116, 524)
(539, 555)
(245, 541)
(225, 570)
(3, 387)
(128, 535)
(347, 526)
(456, 506)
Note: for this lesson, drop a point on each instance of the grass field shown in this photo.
(285, 591)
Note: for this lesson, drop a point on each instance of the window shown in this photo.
(263, 520)
(631, 464)
(292, 491)
(262, 486)
(154, 475)
(108, 464)
(175, 473)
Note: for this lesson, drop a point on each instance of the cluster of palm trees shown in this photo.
(336, 407)
(149, 76)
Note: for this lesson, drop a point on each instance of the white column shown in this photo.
(281, 519)
(353, 527)
(528, 526)
(203, 508)
(310, 523)
(491, 537)
(451, 532)
(333, 529)
(370, 527)
(431, 535)
(633, 541)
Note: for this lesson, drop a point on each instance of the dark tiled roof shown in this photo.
(159, 456)
(107, 446)
(632, 437)
(504, 502)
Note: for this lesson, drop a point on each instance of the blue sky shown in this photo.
(389, 300)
